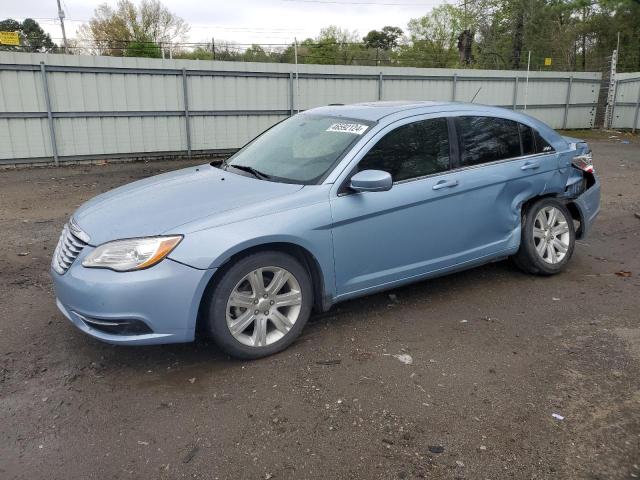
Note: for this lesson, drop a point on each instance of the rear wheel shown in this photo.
(548, 238)
(260, 305)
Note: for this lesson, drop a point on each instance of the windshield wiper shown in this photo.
(246, 168)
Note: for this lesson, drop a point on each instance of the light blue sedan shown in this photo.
(333, 203)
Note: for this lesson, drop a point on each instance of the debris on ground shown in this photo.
(623, 273)
(394, 298)
(404, 358)
(192, 380)
(23, 254)
(459, 463)
(557, 416)
(189, 456)
(436, 448)
(337, 361)
(361, 355)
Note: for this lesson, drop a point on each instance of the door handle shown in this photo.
(530, 166)
(445, 184)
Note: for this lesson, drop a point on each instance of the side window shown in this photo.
(411, 151)
(528, 141)
(487, 139)
(542, 146)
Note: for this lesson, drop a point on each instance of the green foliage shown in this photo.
(32, 37)
(385, 39)
(139, 48)
(575, 34)
(334, 46)
(433, 39)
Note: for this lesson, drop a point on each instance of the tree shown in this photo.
(333, 46)
(255, 53)
(433, 38)
(385, 39)
(110, 31)
(32, 37)
(383, 42)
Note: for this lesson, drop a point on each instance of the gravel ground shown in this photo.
(495, 353)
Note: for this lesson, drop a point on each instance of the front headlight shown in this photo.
(131, 254)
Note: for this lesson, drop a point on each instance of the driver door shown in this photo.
(384, 237)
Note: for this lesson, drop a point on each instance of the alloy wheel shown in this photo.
(263, 306)
(551, 235)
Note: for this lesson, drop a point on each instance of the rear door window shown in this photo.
(487, 139)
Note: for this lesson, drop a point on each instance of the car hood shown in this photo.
(162, 203)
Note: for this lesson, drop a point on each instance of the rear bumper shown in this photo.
(588, 205)
(164, 298)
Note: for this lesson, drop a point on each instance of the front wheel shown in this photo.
(548, 238)
(260, 305)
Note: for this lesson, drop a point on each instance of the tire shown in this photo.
(274, 327)
(539, 243)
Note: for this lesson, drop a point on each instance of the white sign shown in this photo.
(354, 128)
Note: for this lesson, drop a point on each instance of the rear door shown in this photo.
(501, 163)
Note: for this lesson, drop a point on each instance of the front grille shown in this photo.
(68, 248)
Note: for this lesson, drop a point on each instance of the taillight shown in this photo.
(584, 162)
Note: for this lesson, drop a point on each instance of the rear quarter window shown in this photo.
(542, 146)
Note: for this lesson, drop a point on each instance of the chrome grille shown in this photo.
(69, 247)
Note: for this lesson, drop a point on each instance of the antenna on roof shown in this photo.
(474, 97)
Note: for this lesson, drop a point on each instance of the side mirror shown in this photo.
(371, 181)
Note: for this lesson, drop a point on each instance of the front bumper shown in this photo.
(165, 298)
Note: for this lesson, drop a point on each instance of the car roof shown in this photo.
(374, 111)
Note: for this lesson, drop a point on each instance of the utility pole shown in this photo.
(295, 53)
(64, 34)
(526, 88)
(213, 48)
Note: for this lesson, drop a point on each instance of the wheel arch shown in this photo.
(575, 211)
(577, 215)
(321, 300)
(530, 201)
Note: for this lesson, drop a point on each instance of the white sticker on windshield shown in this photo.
(355, 128)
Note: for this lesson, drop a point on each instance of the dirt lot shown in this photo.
(495, 354)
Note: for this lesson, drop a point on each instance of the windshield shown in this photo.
(301, 149)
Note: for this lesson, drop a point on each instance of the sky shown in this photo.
(241, 21)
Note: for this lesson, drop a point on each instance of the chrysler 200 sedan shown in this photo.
(330, 204)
